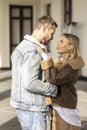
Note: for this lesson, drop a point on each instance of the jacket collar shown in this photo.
(32, 39)
(77, 63)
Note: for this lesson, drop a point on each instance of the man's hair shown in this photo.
(46, 20)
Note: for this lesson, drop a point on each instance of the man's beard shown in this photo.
(47, 42)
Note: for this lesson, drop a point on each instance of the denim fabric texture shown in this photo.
(30, 120)
(28, 89)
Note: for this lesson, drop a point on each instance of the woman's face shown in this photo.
(63, 46)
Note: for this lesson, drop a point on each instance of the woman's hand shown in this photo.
(40, 50)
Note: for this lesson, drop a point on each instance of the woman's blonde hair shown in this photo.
(74, 41)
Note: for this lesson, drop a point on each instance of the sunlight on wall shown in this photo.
(0, 60)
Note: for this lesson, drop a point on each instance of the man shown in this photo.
(29, 91)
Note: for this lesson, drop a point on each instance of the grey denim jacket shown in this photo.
(28, 90)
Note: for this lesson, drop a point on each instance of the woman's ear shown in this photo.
(70, 47)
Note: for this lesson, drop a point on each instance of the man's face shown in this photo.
(48, 35)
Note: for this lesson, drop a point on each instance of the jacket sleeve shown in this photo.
(30, 73)
(59, 76)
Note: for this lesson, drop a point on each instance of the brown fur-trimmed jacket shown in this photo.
(64, 75)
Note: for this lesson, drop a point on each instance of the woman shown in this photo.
(64, 73)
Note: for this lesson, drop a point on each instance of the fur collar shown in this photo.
(77, 63)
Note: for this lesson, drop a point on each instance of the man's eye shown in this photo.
(61, 41)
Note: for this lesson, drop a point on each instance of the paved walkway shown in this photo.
(8, 119)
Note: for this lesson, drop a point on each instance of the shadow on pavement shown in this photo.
(11, 125)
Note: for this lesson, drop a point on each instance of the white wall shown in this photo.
(4, 41)
(58, 15)
(80, 16)
(0, 33)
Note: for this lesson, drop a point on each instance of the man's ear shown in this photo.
(45, 28)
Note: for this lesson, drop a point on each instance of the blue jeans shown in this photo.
(31, 120)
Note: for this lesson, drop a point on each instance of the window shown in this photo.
(21, 23)
(67, 11)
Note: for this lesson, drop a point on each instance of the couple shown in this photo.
(31, 67)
